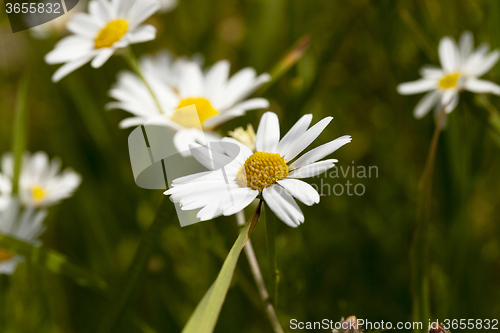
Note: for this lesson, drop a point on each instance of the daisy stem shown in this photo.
(131, 60)
(19, 133)
(259, 280)
(271, 255)
(420, 248)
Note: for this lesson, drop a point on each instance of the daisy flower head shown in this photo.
(26, 225)
(461, 68)
(273, 171)
(41, 183)
(216, 96)
(109, 25)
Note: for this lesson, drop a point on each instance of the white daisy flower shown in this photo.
(108, 26)
(461, 67)
(269, 172)
(26, 225)
(217, 98)
(41, 183)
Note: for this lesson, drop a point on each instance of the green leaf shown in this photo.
(19, 133)
(52, 261)
(205, 315)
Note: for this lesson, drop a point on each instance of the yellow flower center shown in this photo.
(5, 255)
(449, 81)
(189, 119)
(262, 170)
(247, 137)
(38, 193)
(111, 33)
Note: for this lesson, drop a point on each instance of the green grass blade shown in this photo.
(205, 315)
(53, 261)
(19, 133)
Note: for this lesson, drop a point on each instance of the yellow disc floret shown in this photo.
(449, 81)
(38, 194)
(262, 170)
(111, 33)
(188, 119)
(5, 255)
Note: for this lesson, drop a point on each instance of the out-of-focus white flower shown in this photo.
(41, 183)
(461, 67)
(24, 225)
(267, 171)
(108, 26)
(56, 27)
(168, 5)
(164, 66)
(217, 98)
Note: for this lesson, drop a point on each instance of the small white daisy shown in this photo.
(269, 172)
(26, 225)
(108, 26)
(461, 68)
(41, 183)
(217, 98)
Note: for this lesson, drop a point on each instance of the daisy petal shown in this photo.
(268, 133)
(416, 87)
(300, 190)
(425, 104)
(307, 138)
(466, 45)
(320, 152)
(487, 63)
(448, 55)
(69, 67)
(313, 169)
(141, 10)
(283, 205)
(293, 134)
(101, 57)
(242, 198)
(143, 33)
(482, 86)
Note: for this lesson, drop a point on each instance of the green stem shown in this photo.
(134, 65)
(259, 280)
(271, 255)
(19, 133)
(420, 249)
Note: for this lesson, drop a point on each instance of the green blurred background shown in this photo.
(351, 257)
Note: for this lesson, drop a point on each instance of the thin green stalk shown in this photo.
(284, 64)
(19, 133)
(259, 280)
(271, 255)
(134, 65)
(420, 249)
